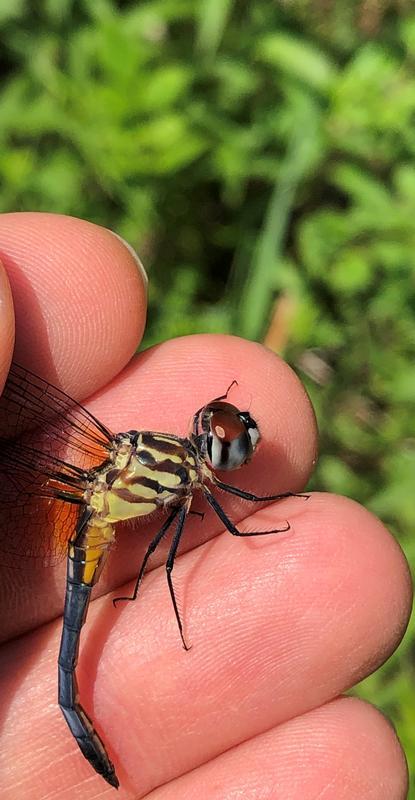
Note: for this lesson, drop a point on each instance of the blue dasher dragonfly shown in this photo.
(66, 480)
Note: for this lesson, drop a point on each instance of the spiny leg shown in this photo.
(151, 548)
(169, 568)
(229, 524)
(255, 497)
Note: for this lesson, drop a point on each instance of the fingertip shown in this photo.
(80, 300)
(139, 264)
(185, 373)
(364, 739)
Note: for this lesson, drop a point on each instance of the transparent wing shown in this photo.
(49, 445)
(28, 403)
(36, 532)
(39, 504)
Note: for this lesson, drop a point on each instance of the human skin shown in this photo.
(279, 626)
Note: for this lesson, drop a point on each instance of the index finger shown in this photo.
(79, 299)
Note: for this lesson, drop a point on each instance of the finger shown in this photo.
(6, 326)
(341, 751)
(277, 627)
(161, 390)
(79, 297)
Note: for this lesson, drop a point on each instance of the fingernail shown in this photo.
(6, 325)
(133, 254)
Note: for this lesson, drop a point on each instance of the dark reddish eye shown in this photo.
(231, 435)
(226, 426)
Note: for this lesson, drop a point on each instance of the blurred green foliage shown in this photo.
(255, 154)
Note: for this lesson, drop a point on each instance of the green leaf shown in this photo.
(213, 17)
(297, 58)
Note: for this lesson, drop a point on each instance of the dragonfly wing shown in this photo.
(35, 533)
(28, 403)
(49, 447)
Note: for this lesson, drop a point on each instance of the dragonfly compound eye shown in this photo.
(231, 437)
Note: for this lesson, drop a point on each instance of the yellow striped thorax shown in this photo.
(147, 471)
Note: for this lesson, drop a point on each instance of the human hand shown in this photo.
(279, 626)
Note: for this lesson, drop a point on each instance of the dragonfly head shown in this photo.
(229, 436)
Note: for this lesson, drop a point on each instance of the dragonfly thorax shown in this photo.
(148, 471)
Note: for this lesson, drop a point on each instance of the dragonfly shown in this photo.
(66, 481)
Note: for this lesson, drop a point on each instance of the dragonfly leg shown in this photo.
(229, 524)
(151, 548)
(169, 568)
(255, 497)
(85, 561)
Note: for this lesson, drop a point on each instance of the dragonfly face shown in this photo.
(81, 480)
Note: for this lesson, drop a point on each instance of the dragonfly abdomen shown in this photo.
(86, 557)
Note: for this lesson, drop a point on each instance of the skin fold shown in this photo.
(279, 626)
